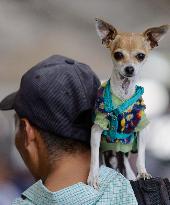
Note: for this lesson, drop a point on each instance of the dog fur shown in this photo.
(131, 46)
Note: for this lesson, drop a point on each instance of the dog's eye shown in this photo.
(140, 56)
(118, 55)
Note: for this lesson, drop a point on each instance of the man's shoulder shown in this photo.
(111, 176)
(117, 188)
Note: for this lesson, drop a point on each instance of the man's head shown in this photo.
(41, 150)
(53, 112)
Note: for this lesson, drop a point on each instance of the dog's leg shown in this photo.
(94, 165)
(103, 159)
(140, 163)
(129, 172)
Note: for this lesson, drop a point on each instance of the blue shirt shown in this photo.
(114, 189)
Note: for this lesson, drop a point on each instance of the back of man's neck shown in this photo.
(70, 170)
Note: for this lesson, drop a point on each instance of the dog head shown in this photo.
(129, 50)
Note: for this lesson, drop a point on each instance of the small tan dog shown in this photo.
(129, 51)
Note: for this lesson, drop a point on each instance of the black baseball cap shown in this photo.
(57, 95)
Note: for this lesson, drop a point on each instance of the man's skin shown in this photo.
(69, 169)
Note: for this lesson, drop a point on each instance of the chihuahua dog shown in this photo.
(119, 114)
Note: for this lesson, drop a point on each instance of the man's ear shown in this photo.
(29, 131)
(155, 34)
(105, 31)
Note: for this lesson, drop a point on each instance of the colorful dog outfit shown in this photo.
(121, 121)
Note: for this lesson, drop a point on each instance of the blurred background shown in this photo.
(32, 30)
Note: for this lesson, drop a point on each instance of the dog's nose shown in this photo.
(129, 70)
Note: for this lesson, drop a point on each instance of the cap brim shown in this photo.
(8, 102)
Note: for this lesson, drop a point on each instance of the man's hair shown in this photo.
(57, 145)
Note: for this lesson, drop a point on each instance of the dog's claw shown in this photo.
(93, 181)
(144, 175)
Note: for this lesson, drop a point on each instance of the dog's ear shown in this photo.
(155, 34)
(105, 31)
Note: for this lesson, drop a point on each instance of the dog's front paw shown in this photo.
(93, 179)
(143, 175)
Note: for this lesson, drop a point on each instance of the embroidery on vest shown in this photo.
(123, 119)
